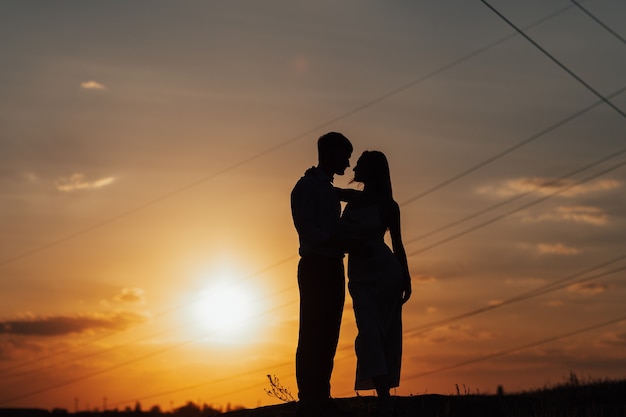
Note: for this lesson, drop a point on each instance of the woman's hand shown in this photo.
(406, 289)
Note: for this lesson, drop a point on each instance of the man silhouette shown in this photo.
(316, 210)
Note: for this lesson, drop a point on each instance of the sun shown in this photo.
(226, 311)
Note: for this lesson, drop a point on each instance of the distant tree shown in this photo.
(208, 411)
(155, 410)
(137, 407)
(188, 410)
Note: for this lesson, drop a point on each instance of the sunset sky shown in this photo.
(147, 153)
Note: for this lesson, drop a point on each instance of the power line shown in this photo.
(39, 358)
(413, 376)
(556, 61)
(194, 184)
(412, 199)
(432, 189)
(517, 197)
(271, 149)
(120, 365)
(582, 181)
(521, 297)
(548, 288)
(508, 150)
(516, 210)
(445, 240)
(157, 315)
(114, 348)
(368, 104)
(263, 370)
(93, 354)
(517, 349)
(292, 257)
(438, 243)
(96, 373)
(598, 21)
(531, 294)
(524, 296)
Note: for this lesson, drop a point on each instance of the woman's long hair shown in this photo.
(375, 172)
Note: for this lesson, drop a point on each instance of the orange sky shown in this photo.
(147, 153)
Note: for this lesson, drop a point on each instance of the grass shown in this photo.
(572, 398)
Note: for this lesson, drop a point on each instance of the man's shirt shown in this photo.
(316, 209)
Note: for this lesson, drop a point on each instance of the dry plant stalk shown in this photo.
(278, 391)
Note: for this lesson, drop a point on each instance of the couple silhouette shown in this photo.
(378, 276)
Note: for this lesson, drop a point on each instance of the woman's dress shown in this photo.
(375, 280)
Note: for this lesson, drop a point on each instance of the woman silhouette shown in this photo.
(379, 280)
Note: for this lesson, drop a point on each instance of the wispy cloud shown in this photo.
(557, 249)
(77, 181)
(617, 339)
(577, 214)
(588, 288)
(547, 186)
(63, 325)
(457, 333)
(524, 282)
(423, 279)
(131, 296)
(11, 346)
(92, 85)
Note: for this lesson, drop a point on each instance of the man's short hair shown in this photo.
(332, 142)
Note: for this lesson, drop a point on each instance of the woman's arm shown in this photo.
(347, 194)
(398, 249)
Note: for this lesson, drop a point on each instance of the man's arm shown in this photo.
(304, 206)
(347, 194)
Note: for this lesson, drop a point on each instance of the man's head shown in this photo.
(334, 151)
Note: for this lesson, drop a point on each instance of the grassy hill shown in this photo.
(573, 399)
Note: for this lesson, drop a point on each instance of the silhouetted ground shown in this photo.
(598, 399)
(602, 399)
